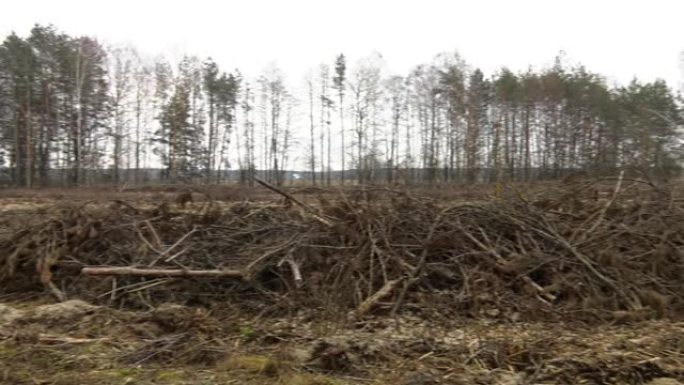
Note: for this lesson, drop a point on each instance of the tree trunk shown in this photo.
(312, 146)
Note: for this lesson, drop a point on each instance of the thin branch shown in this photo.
(144, 272)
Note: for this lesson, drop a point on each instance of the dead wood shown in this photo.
(552, 251)
(310, 210)
(373, 300)
(148, 272)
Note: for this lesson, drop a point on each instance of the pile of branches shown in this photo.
(601, 250)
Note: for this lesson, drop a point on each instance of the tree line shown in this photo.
(73, 111)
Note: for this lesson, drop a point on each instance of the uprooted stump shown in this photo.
(593, 251)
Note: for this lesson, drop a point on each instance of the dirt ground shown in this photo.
(275, 334)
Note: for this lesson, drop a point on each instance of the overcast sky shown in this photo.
(620, 39)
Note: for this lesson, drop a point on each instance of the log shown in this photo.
(147, 272)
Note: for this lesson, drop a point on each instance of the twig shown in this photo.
(178, 242)
(296, 273)
(157, 240)
(313, 212)
(144, 272)
(371, 301)
(421, 263)
(502, 261)
(43, 267)
(605, 208)
(499, 259)
(113, 293)
(142, 237)
(540, 290)
(269, 253)
(56, 292)
(47, 338)
(173, 257)
(284, 193)
(555, 236)
(152, 284)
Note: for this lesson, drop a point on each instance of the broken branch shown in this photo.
(146, 272)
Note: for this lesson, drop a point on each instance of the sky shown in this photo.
(619, 39)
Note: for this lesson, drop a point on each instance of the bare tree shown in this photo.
(273, 98)
(365, 87)
(143, 95)
(249, 135)
(325, 105)
(121, 83)
(312, 128)
(339, 83)
(396, 94)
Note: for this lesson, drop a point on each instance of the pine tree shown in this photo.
(476, 119)
(211, 90)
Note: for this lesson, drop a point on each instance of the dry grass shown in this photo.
(283, 351)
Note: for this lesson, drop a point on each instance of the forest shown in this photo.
(75, 111)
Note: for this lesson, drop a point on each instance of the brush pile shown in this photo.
(610, 250)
